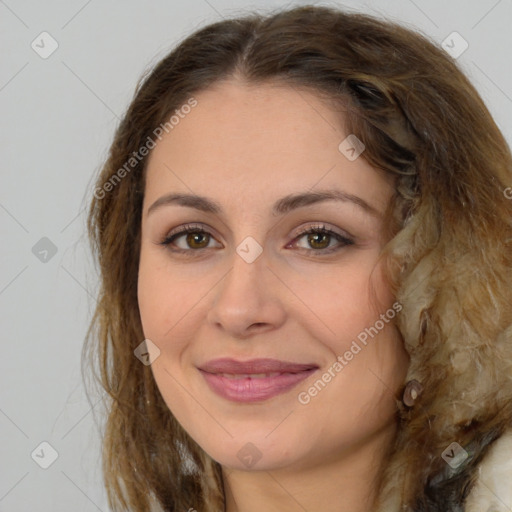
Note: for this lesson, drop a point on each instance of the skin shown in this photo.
(245, 147)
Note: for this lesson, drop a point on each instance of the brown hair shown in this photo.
(449, 260)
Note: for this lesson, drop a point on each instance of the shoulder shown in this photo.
(492, 491)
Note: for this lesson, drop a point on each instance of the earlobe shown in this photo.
(412, 391)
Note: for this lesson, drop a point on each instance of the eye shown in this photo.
(190, 236)
(319, 238)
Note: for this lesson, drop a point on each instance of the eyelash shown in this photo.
(318, 229)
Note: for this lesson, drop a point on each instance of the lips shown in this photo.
(253, 380)
(253, 366)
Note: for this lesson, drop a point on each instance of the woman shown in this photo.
(304, 239)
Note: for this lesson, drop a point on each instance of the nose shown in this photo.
(248, 300)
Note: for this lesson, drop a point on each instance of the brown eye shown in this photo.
(318, 239)
(197, 240)
(189, 239)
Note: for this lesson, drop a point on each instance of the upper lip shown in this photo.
(232, 366)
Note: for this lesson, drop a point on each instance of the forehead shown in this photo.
(268, 139)
(233, 111)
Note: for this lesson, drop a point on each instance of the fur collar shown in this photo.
(492, 491)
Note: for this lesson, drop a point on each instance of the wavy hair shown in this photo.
(449, 259)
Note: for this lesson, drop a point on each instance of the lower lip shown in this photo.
(254, 390)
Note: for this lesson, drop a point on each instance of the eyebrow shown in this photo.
(280, 207)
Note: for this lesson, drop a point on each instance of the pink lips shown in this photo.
(254, 380)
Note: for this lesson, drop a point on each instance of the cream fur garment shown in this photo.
(492, 491)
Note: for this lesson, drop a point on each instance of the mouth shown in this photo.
(255, 380)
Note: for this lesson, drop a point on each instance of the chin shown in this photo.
(252, 453)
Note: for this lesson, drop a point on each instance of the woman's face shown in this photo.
(249, 170)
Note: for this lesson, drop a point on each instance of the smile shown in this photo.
(254, 381)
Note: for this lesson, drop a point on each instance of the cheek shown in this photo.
(173, 305)
(160, 299)
(149, 294)
(340, 303)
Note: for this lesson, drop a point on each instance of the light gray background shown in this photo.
(58, 118)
